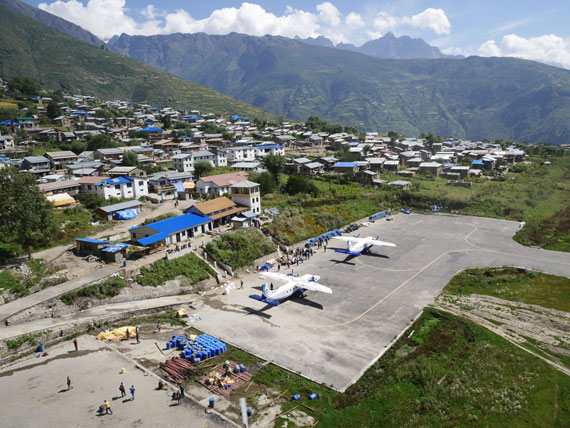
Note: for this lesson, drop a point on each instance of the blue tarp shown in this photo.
(115, 247)
(126, 214)
(150, 129)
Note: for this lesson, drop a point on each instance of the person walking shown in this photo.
(279, 267)
(68, 383)
(127, 333)
(241, 284)
(108, 408)
(133, 392)
(138, 330)
(122, 389)
(158, 327)
(182, 391)
(75, 343)
(325, 247)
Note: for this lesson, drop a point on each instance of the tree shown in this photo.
(274, 165)
(202, 168)
(130, 158)
(53, 110)
(393, 136)
(26, 216)
(100, 141)
(265, 180)
(78, 146)
(166, 119)
(23, 87)
(300, 184)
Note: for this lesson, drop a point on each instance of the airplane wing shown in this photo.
(276, 276)
(345, 238)
(313, 286)
(381, 243)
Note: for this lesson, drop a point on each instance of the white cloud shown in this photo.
(106, 18)
(548, 48)
(354, 20)
(430, 19)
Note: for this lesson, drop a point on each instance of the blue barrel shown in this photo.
(312, 396)
(296, 397)
(167, 345)
(173, 337)
(212, 402)
(242, 368)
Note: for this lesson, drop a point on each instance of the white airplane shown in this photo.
(293, 285)
(355, 245)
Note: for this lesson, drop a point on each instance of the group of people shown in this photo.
(106, 406)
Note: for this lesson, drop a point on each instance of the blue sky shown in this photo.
(524, 28)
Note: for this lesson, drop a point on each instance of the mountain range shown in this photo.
(387, 46)
(51, 21)
(506, 98)
(474, 97)
(57, 61)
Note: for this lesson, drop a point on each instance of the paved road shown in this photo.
(95, 313)
(18, 305)
(333, 338)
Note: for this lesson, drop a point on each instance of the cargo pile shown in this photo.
(177, 369)
(197, 348)
(378, 216)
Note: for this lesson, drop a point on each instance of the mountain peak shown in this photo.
(389, 35)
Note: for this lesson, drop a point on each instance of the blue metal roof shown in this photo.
(353, 144)
(345, 165)
(176, 224)
(477, 162)
(194, 117)
(150, 129)
(92, 241)
(116, 247)
(239, 118)
(270, 146)
(117, 180)
(152, 239)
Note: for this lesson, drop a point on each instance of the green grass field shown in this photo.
(190, 266)
(514, 284)
(240, 248)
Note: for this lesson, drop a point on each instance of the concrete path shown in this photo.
(95, 313)
(18, 305)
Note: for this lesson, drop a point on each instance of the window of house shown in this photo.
(141, 183)
(117, 187)
(129, 185)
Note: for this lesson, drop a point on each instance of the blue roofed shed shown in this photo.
(171, 231)
(87, 247)
(345, 167)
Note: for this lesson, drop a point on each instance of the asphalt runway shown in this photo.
(334, 338)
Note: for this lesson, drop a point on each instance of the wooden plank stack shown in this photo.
(177, 369)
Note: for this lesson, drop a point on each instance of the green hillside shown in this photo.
(475, 97)
(30, 49)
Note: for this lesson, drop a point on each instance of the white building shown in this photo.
(185, 162)
(219, 184)
(118, 187)
(269, 149)
(236, 154)
(247, 193)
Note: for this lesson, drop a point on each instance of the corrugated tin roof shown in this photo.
(213, 205)
(176, 224)
(122, 206)
(92, 241)
(345, 165)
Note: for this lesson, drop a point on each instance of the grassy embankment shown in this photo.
(535, 194)
(514, 284)
(193, 268)
(109, 288)
(240, 248)
(19, 284)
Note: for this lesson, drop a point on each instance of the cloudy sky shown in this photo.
(531, 29)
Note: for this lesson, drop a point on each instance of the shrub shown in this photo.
(109, 288)
(190, 266)
(240, 248)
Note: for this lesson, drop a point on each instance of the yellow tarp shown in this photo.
(181, 313)
(117, 334)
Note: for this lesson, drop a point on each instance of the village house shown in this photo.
(107, 155)
(219, 210)
(6, 142)
(269, 149)
(37, 163)
(219, 184)
(118, 187)
(71, 187)
(167, 181)
(171, 231)
(312, 169)
(345, 167)
(126, 171)
(247, 193)
(433, 168)
(59, 160)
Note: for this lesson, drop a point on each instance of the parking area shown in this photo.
(334, 338)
